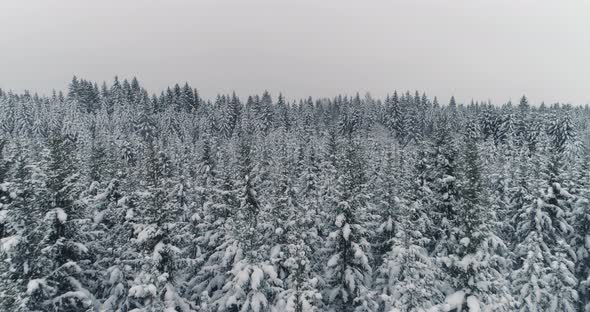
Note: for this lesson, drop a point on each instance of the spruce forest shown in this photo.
(112, 199)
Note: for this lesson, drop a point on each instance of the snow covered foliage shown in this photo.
(348, 269)
(112, 199)
(251, 287)
(407, 277)
(477, 264)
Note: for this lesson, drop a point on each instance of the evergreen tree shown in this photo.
(581, 224)
(478, 264)
(292, 252)
(348, 269)
(252, 281)
(115, 200)
(154, 287)
(544, 226)
(387, 208)
(407, 278)
(55, 280)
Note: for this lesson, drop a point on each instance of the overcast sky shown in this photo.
(477, 49)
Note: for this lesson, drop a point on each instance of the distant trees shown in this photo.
(112, 199)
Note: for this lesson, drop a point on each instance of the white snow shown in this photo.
(389, 225)
(454, 301)
(350, 281)
(473, 304)
(81, 247)
(99, 216)
(448, 179)
(339, 220)
(346, 231)
(129, 214)
(269, 270)
(170, 299)
(80, 295)
(258, 301)
(333, 260)
(3, 216)
(115, 275)
(243, 276)
(7, 243)
(73, 266)
(101, 196)
(256, 278)
(358, 253)
(275, 252)
(142, 291)
(34, 284)
(122, 201)
(146, 233)
(162, 278)
(61, 215)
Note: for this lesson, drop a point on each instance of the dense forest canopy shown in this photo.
(115, 200)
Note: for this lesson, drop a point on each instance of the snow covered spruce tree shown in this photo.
(295, 238)
(56, 274)
(530, 286)
(478, 264)
(19, 219)
(155, 286)
(445, 170)
(114, 251)
(310, 192)
(519, 194)
(252, 282)
(545, 280)
(581, 224)
(113, 199)
(5, 197)
(213, 233)
(407, 279)
(348, 271)
(387, 202)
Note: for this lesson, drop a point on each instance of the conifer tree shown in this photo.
(292, 254)
(478, 264)
(56, 280)
(252, 282)
(348, 269)
(407, 278)
(387, 207)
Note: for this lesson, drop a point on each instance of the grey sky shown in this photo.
(477, 49)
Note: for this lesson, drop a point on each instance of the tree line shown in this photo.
(112, 199)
